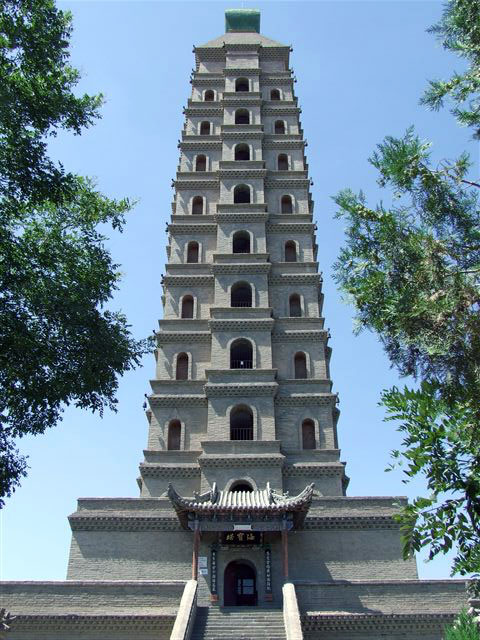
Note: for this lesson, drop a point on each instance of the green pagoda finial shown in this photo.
(242, 20)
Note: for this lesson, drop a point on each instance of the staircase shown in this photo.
(238, 623)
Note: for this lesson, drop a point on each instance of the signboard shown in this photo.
(203, 572)
(213, 564)
(268, 571)
(241, 538)
(202, 562)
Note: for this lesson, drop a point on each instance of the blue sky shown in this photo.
(361, 68)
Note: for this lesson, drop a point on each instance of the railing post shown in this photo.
(183, 626)
(291, 614)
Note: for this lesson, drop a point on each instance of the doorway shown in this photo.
(240, 585)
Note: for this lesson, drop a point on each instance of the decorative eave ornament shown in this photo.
(246, 20)
(264, 504)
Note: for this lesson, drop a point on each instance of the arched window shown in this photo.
(274, 94)
(209, 95)
(241, 194)
(308, 434)
(181, 372)
(187, 307)
(286, 204)
(242, 116)
(174, 433)
(300, 365)
(201, 163)
(241, 242)
(192, 251)
(205, 128)
(241, 354)
(197, 205)
(279, 126)
(241, 84)
(242, 152)
(241, 485)
(282, 162)
(295, 306)
(241, 423)
(241, 295)
(290, 251)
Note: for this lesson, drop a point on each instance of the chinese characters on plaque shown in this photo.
(268, 571)
(241, 538)
(213, 566)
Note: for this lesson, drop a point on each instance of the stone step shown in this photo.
(238, 623)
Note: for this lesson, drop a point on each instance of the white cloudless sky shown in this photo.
(361, 69)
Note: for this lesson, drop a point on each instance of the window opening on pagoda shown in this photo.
(241, 295)
(192, 251)
(241, 84)
(242, 116)
(241, 486)
(286, 204)
(274, 94)
(209, 95)
(300, 365)
(290, 251)
(181, 372)
(174, 433)
(201, 163)
(187, 307)
(295, 306)
(241, 423)
(197, 205)
(308, 434)
(241, 242)
(282, 162)
(205, 128)
(241, 354)
(241, 194)
(242, 152)
(279, 126)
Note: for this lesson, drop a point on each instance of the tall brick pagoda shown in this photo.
(242, 528)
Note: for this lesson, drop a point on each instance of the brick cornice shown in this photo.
(85, 622)
(188, 281)
(385, 623)
(307, 399)
(254, 389)
(161, 470)
(196, 184)
(256, 267)
(192, 229)
(290, 227)
(170, 400)
(295, 279)
(319, 335)
(260, 324)
(183, 337)
(284, 183)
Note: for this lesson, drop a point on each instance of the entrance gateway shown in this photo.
(241, 518)
(240, 584)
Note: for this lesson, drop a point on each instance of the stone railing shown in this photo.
(291, 614)
(182, 629)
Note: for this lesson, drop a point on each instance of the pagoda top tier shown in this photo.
(242, 20)
(242, 27)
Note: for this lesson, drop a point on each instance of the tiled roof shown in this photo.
(262, 502)
(242, 38)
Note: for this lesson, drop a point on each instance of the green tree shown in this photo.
(59, 345)
(465, 627)
(412, 270)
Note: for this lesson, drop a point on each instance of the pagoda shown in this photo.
(242, 528)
